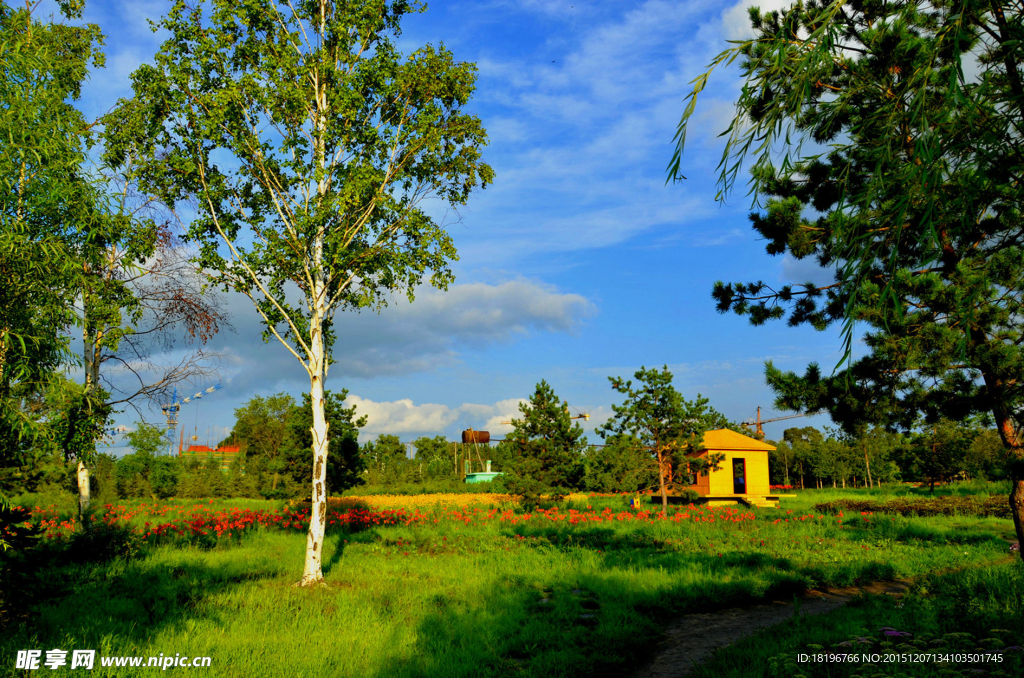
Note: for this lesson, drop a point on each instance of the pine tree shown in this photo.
(664, 424)
(544, 451)
(912, 196)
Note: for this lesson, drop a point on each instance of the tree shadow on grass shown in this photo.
(90, 598)
(601, 622)
(340, 539)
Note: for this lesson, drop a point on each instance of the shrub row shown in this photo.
(995, 506)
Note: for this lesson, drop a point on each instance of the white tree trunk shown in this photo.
(91, 357)
(312, 573)
(313, 570)
(83, 491)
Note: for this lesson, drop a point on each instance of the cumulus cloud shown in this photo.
(406, 338)
(408, 419)
(404, 417)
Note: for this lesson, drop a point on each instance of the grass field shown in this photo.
(469, 589)
(950, 622)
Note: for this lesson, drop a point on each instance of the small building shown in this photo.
(743, 473)
(482, 477)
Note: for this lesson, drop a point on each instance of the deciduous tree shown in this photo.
(82, 253)
(49, 211)
(942, 451)
(308, 143)
(261, 426)
(435, 454)
(384, 460)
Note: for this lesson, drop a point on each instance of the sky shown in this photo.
(578, 263)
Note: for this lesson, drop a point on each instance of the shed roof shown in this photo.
(724, 439)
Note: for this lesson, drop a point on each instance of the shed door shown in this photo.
(739, 476)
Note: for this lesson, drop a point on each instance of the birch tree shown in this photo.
(308, 144)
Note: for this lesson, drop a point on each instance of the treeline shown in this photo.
(545, 453)
(942, 452)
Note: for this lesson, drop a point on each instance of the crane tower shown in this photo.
(171, 410)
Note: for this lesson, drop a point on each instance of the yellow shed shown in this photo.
(742, 473)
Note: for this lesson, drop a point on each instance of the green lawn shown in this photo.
(539, 597)
(967, 613)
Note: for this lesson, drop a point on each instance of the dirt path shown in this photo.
(691, 638)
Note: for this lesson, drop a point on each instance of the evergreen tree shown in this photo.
(544, 451)
(620, 465)
(915, 205)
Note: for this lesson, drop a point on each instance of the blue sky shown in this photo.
(579, 262)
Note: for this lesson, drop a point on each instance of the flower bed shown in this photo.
(206, 524)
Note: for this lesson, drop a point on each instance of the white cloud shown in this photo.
(805, 270)
(405, 338)
(736, 19)
(405, 417)
(595, 117)
(408, 419)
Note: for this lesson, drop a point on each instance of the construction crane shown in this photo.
(171, 410)
(759, 432)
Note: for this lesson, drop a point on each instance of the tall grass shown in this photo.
(489, 598)
(976, 610)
